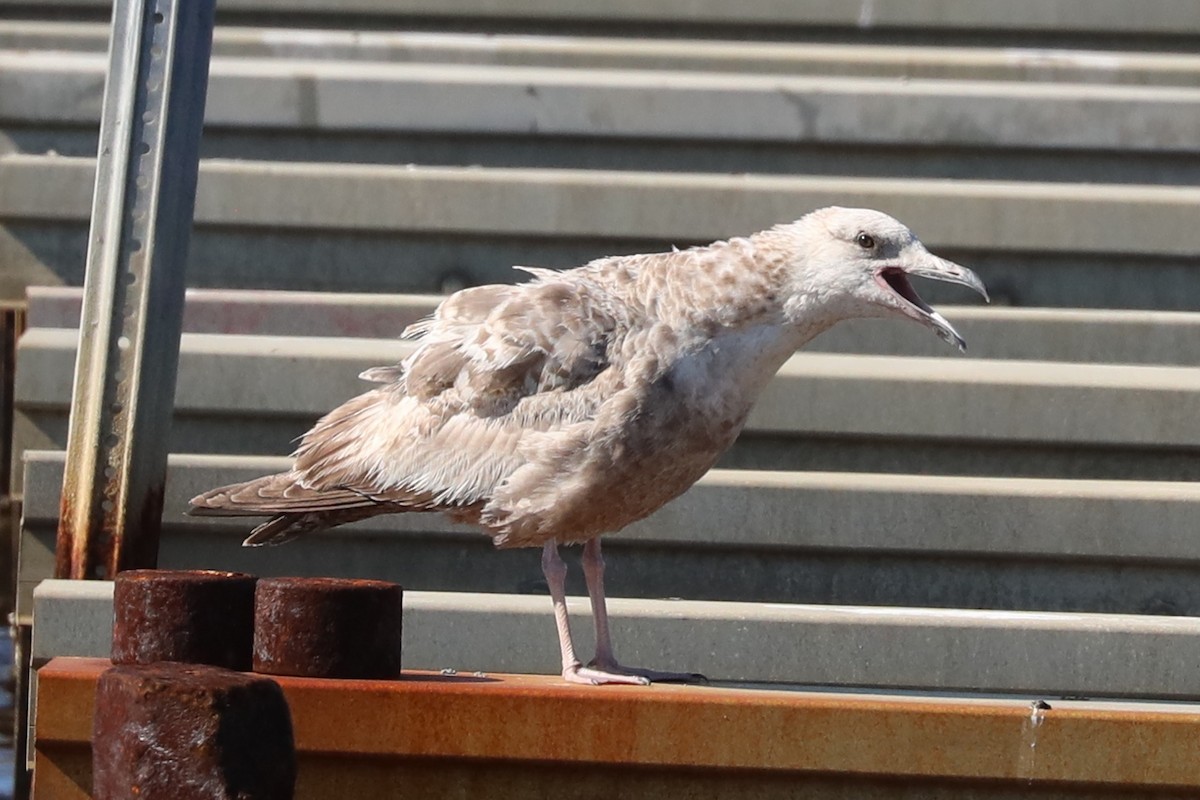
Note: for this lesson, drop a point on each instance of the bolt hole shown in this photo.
(158, 17)
(107, 505)
(143, 148)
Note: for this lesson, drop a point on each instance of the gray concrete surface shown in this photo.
(593, 52)
(750, 508)
(1105, 336)
(838, 646)
(654, 155)
(269, 313)
(966, 399)
(66, 88)
(248, 257)
(1158, 17)
(1114, 546)
(353, 227)
(255, 394)
(1069, 219)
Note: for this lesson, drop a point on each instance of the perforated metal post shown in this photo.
(133, 292)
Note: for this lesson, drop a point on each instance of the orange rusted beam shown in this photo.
(518, 718)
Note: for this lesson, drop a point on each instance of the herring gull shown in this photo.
(569, 406)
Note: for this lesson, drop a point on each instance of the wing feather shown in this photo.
(447, 429)
(493, 365)
(552, 334)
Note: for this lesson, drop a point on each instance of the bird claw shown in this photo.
(647, 675)
(589, 676)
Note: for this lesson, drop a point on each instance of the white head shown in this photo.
(858, 262)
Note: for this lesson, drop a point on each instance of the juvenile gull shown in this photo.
(569, 406)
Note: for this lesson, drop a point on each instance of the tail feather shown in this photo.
(285, 527)
(276, 530)
(274, 494)
(294, 509)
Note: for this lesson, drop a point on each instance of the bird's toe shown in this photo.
(647, 675)
(592, 675)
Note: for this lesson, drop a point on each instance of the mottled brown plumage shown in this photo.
(569, 406)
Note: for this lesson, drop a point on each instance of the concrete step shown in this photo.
(297, 110)
(262, 312)
(256, 394)
(594, 52)
(58, 87)
(799, 537)
(947, 650)
(342, 226)
(1038, 334)
(1158, 22)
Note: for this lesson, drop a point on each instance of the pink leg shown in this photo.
(555, 570)
(605, 660)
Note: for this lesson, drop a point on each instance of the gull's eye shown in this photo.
(865, 240)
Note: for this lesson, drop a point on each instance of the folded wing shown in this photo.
(445, 428)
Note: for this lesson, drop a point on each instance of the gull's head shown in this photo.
(861, 260)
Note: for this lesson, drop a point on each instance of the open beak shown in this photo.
(924, 264)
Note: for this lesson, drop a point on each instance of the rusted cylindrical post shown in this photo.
(190, 732)
(327, 628)
(195, 616)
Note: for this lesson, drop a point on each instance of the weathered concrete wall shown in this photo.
(798, 537)
(256, 394)
(593, 52)
(843, 646)
(326, 226)
(1105, 20)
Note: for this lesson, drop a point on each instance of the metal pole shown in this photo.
(133, 291)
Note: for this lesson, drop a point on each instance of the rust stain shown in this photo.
(327, 627)
(64, 545)
(515, 718)
(138, 549)
(108, 546)
(12, 325)
(171, 731)
(194, 616)
(71, 553)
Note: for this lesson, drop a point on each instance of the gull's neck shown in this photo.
(739, 284)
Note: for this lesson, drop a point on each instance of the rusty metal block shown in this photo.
(190, 732)
(327, 628)
(194, 616)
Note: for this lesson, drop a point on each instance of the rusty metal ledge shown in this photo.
(521, 718)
